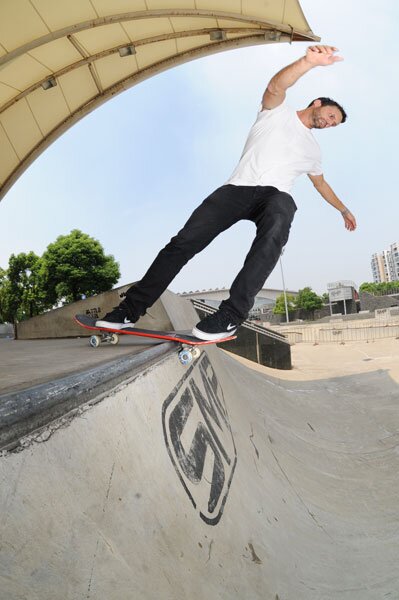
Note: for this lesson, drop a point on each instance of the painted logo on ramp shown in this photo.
(199, 439)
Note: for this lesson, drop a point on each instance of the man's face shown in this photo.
(325, 116)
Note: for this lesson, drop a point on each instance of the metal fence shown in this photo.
(342, 334)
(394, 291)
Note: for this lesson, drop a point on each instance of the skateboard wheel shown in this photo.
(95, 341)
(195, 353)
(114, 339)
(185, 357)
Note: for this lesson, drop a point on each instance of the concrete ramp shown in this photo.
(209, 482)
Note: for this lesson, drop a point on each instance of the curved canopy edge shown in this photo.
(64, 66)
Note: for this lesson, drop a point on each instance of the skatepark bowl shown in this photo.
(145, 479)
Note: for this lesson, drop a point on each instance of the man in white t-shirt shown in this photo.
(279, 148)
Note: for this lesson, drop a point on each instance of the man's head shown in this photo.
(326, 113)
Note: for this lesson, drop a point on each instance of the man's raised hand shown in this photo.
(322, 56)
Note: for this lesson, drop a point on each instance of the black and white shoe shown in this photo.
(217, 326)
(116, 319)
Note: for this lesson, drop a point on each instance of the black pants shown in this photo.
(272, 212)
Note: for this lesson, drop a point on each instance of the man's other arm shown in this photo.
(329, 195)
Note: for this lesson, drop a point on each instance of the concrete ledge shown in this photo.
(59, 323)
(23, 412)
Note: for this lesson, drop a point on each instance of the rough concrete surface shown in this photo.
(214, 481)
(24, 363)
(311, 362)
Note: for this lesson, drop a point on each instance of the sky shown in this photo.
(131, 172)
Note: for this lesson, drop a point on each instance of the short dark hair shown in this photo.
(330, 102)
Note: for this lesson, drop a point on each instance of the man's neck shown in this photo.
(306, 117)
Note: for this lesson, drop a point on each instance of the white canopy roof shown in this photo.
(60, 60)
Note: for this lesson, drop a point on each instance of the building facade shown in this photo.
(342, 295)
(395, 259)
(385, 265)
(265, 299)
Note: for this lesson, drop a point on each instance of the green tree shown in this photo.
(308, 300)
(368, 287)
(3, 282)
(279, 307)
(74, 266)
(325, 298)
(21, 292)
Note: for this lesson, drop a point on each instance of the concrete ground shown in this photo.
(313, 362)
(25, 363)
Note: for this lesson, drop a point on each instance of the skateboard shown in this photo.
(190, 344)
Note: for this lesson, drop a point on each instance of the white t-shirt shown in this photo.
(279, 148)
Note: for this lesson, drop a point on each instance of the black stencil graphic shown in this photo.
(199, 439)
(93, 312)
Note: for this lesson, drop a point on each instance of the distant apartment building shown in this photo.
(395, 259)
(385, 265)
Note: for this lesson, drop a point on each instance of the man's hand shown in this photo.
(349, 219)
(322, 56)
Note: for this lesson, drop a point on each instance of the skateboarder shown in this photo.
(279, 148)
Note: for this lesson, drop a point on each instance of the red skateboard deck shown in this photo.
(182, 337)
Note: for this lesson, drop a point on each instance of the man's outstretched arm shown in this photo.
(329, 195)
(316, 56)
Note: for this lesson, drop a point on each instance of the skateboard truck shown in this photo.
(105, 338)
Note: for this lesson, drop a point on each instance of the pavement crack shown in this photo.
(100, 535)
(92, 570)
(252, 442)
(255, 558)
(109, 485)
(312, 516)
(210, 551)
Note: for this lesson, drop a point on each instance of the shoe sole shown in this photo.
(202, 335)
(109, 325)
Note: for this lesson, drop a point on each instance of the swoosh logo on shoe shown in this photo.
(127, 322)
(230, 326)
